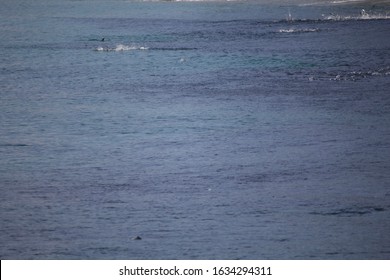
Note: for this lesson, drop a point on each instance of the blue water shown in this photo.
(213, 130)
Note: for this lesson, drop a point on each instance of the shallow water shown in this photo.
(212, 130)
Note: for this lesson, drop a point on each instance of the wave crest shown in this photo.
(121, 48)
(293, 30)
(350, 75)
(362, 16)
(357, 75)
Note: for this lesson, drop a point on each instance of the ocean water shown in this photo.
(213, 130)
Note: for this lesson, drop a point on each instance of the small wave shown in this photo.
(350, 76)
(359, 15)
(345, 2)
(174, 49)
(293, 30)
(120, 48)
(335, 3)
(350, 211)
(357, 75)
(362, 16)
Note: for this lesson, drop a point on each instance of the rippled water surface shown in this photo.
(213, 130)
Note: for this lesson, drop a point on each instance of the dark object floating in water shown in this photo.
(137, 238)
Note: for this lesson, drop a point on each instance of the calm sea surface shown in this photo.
(213, 130)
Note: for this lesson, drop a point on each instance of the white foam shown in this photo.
(121, 48)
(357, 75)
(362, 16)
(345, 1)
(336, 2)
(286, 30)
(292, 30)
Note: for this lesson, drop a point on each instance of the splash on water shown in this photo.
(121, 48)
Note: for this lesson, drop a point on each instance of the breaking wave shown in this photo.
(352, 75)
(121, 48)
(357, 75)
(359, 15)
(333, 3)
(362, 16)
(293, 30)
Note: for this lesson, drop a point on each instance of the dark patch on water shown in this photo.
(350, 211)
(13, 145)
